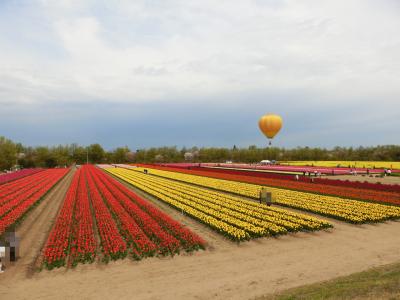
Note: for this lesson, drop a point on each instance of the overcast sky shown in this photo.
(185, 73)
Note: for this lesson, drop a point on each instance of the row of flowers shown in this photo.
(11, 190)
(17, 175)
(187, 238)
(56, 249)
(166, 243)
(345, 209)
(344, 191)
(25, 194)
(167, 233)
(345, 163)
(139, 244)
(83, 240)
(124, 226)
(393, 188)
(234, 217)
(113, 245)
(13, 198)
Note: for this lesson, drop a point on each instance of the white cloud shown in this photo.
(141, 50)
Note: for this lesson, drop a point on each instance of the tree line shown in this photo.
(12, 154)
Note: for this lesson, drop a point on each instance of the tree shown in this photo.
(119, 155)
(96, 154)
(79, 154)
(43, 156)
(8, 153)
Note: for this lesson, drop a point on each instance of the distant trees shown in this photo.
(254, 154)
(96, 154)
(61, 155)
(8, 153)
(41, 156)
(120, 155)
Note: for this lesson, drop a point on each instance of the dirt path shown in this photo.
(34, 231)
(225, 271)
(229, 271)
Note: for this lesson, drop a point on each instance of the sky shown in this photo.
(199, 73)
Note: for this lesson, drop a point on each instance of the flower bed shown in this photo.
(324, 189)
(236, 218)
(126, 224)
(344, 209)
(394, 188)
(19, 196)
(17, 175)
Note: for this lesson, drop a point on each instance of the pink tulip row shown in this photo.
(18, 174)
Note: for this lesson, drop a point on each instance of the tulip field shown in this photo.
(328, 168)
(17, 175)
(19, 196)
(99, 218)
(359, 164)
(383, 193)
(232, 216)
(349, 210)
(126, 224)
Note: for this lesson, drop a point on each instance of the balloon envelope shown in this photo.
(270, 125)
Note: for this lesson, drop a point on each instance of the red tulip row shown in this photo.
(346, 192)
(165, 242)
(112, 243)
(12, 189)
(23, 190)
(167, 233)
(56, 249)
(125, 224)
(83, 241)
(188, 239)
(140, 245)
(13, 208)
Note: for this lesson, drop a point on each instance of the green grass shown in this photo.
(378, 283)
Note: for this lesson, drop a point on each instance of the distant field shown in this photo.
(344, 163)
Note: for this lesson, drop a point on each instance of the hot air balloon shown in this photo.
(270, 124)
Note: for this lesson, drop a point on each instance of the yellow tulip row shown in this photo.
(344, 209)
(237, 218)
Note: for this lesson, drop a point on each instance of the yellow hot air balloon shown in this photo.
(270, 124)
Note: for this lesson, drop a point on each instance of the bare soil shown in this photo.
(373, 179)
(226, 270)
